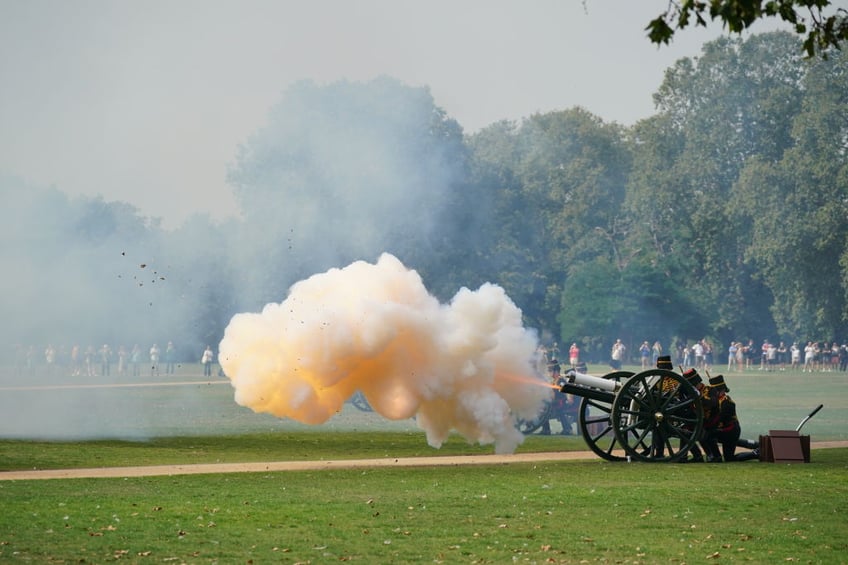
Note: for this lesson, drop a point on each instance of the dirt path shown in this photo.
(211, 468)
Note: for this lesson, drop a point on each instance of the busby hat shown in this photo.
(717, 382)
(664, 362)
(693, 377)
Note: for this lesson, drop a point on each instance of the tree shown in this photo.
(717, 113)
(823, 31)
(344, 172)
(799, 211)
(560, 180)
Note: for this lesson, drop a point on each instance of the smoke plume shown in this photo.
(466, 366)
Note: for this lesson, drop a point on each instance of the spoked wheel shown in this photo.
(358, 399)
(596, 424)
(527, 427)
(657, 415)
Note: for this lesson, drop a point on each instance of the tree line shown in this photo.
(723, 215)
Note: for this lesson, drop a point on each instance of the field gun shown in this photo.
(652, 416)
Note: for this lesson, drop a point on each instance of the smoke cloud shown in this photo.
(466, 366)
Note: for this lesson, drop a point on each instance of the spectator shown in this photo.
(764, 355)
(89, 360)
(135, 359)
(731, 354)
(50, 359)
(809, 357)
(698, 353)
(617, 355)
(656, 352)
(708, 355)
(105, 360)
(795, 355)
(170, 358)
(781, 356)
(740, 356)
(748, 351)
(154, 360)
(645, 354)
(75, 360)
(122, 359)
(206, 361)
(771, 357)
(573, 355)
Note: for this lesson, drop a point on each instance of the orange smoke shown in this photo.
(466, 366)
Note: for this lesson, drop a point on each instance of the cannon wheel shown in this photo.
(658, 416)
(527, 427)
(595, 420)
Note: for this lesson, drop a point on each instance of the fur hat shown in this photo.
(693, 377)
(664, 362)
(717, 382)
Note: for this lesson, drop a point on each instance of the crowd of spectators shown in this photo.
(105, 361)
(740, 356)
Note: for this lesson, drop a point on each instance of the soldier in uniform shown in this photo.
(727, 429)
(709, 408)
(664, 362)
(559, 402)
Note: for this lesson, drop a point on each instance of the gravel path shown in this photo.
(272, 466)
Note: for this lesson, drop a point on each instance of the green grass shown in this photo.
(567, 512)
(17, 455)
(553, 512)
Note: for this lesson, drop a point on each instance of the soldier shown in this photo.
(727, 429)
(664, 362)
(708, 406)
(565, 405)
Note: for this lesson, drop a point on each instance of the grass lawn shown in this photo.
(557, 512)
(567, 512)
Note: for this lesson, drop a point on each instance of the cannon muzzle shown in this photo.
(582, 379)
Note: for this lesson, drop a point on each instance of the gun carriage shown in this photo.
(652, 416)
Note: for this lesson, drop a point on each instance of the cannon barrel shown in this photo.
(587, 386)
(585, 380)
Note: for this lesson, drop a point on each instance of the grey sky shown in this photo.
(147, 101)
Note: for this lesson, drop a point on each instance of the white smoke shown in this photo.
(467, 366)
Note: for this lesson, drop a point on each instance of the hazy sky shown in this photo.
(147, 101)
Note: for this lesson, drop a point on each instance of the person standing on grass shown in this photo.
(795, 355)
(122, 360)
(740, 356)
(617, 355)
(644, 354)
(206, 361)
(105, 360)
(573, 355)
(781, 356)
(687, 356)
(135, 360)
(170, 358)
(656, 351)
(750, 350)
(154, 360)
(698, 354)
(75, 360)
(809, 356)
(731, 355)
